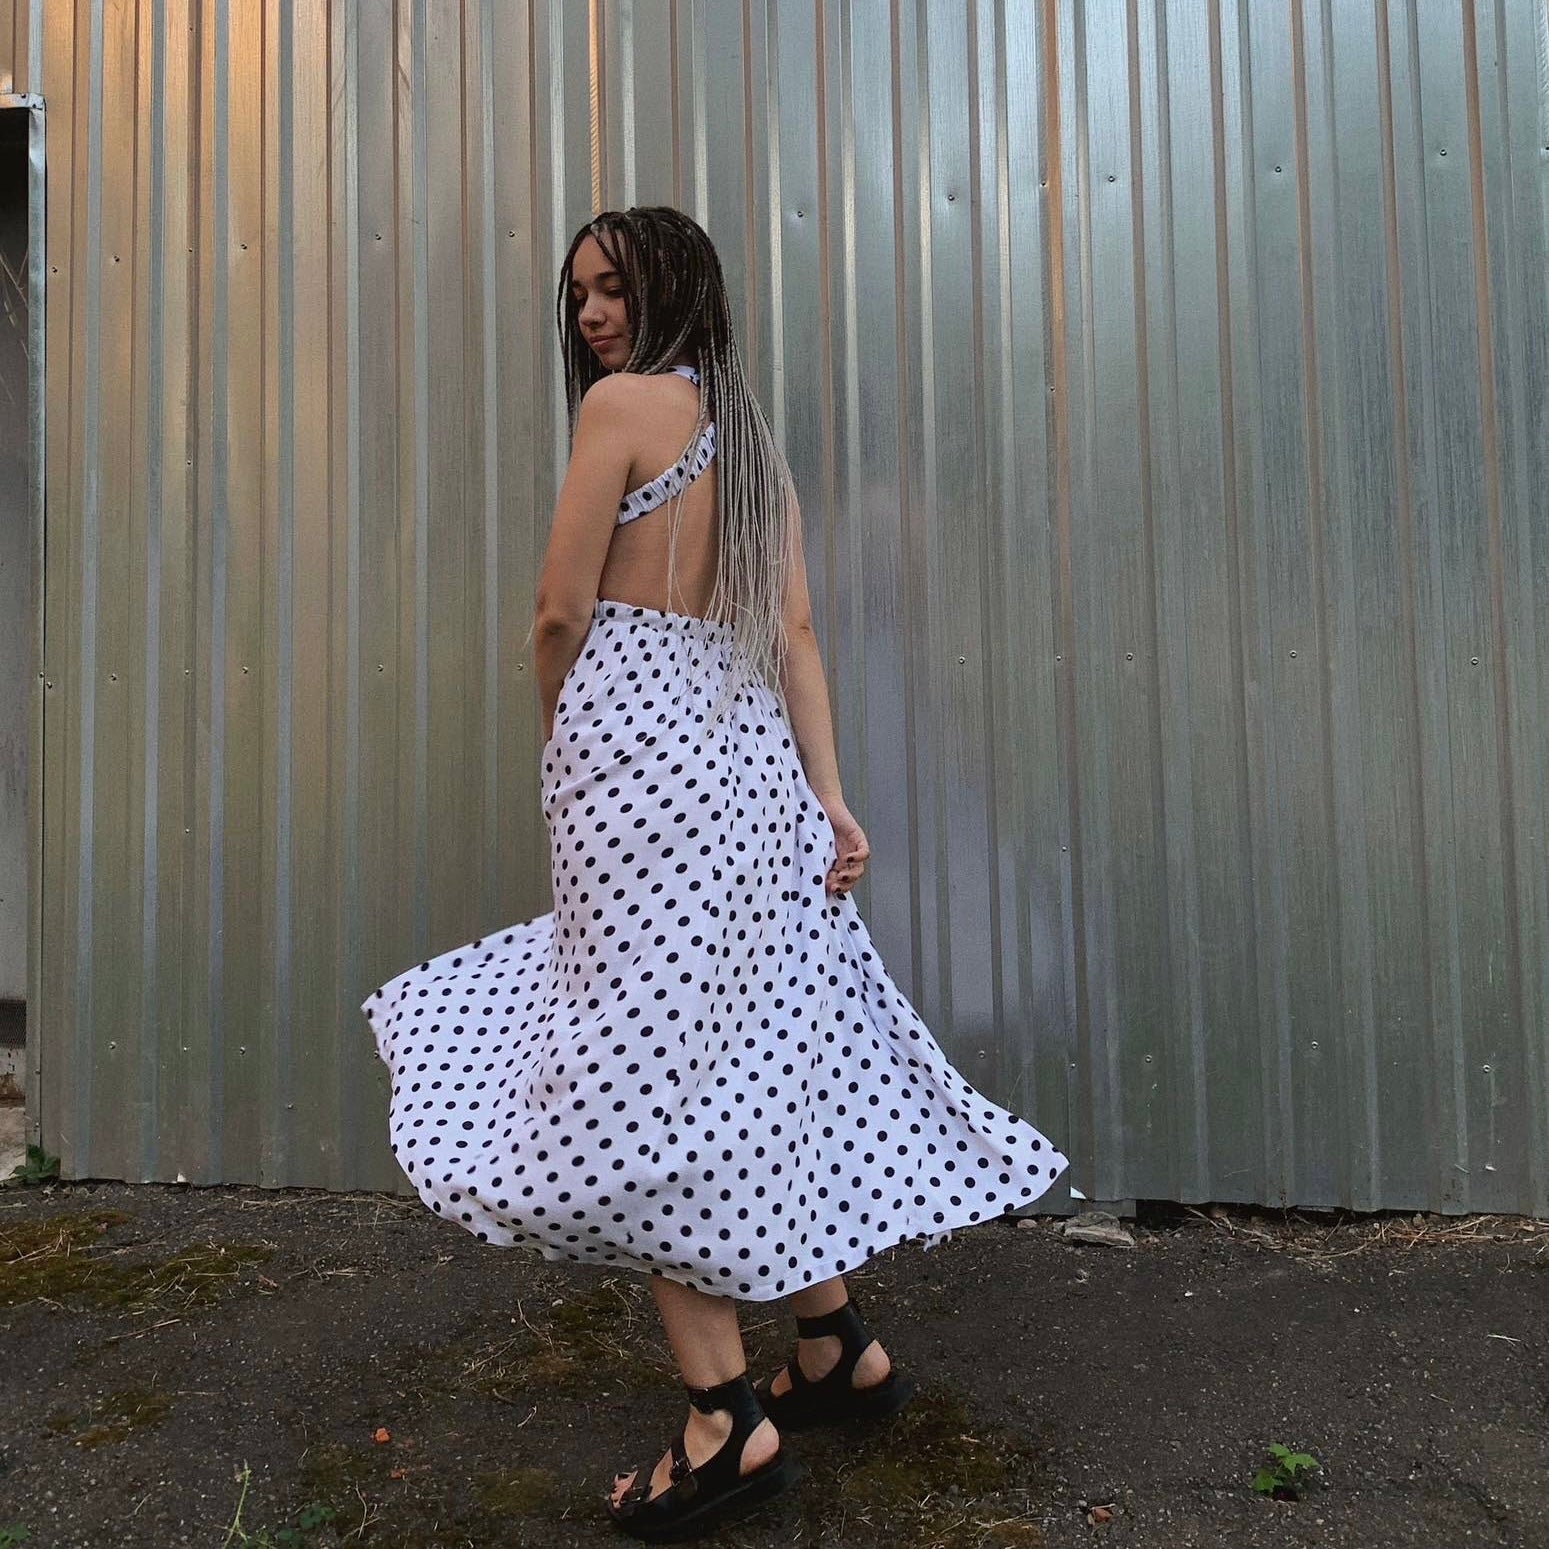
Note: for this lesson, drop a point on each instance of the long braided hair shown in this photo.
(675, 299)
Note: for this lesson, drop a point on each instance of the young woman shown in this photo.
(696, 1065)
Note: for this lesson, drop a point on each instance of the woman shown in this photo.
(696, 1066)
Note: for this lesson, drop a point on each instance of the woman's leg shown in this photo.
(707, 1345)
(818, 1357)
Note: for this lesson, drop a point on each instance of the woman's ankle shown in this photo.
(814, 1301)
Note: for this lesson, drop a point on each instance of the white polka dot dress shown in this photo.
(696, 1065)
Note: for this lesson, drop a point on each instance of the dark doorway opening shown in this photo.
(16, 600)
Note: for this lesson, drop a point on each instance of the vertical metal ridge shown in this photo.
(1081, 1104)
(1407, 541)
(278, 1139)
(776, 259)
(344, 126)
(1324, 636)
(1447, 1015)
(753, 279)
(489, 420)
(828, 602)
(594, 63)
(698, 120)
(1242, 411)
(1500, 680)
(220, 510)
(148, 1050)
(86, 681)
(415, 104)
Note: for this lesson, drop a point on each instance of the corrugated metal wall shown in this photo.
(1166, 385)
(20, 35)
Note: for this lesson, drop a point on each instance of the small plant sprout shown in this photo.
(1286, 1476)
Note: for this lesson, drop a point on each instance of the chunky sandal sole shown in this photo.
(753, 1490)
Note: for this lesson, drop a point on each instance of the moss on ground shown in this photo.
(605, 1340)
(934, 1477)
(60, 1258)
(112, 1418)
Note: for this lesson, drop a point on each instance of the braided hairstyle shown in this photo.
(675, 300)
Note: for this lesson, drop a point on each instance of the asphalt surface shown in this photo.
(233, 1366)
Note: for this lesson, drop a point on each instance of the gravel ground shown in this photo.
(234, 1366)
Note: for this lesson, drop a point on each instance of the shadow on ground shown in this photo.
(283, 1370)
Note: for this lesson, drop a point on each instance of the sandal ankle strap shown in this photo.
(845, 1322)
(736, 1395)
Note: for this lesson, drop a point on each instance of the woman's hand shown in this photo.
(852, 849)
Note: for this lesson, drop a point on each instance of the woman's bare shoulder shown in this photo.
(632, 394)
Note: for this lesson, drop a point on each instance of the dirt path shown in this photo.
(387, 1380)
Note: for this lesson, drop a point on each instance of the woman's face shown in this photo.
(599, 289)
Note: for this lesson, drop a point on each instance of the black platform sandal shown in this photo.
(715, 1492)
(833, 1398)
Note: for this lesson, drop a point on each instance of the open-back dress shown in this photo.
(695, 1065)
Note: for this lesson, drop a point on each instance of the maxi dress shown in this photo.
(696, 1064)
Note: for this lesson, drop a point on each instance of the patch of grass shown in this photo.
(935, 1477)
(604, 1340)
(112, 1418)
(519, 1492)
(59, 1257)
(332, 1470)
(11, 1537)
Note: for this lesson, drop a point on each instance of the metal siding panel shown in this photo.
(306, 1067)
(1514, 48)
(1249, 926)
(1461, 453)
(1376, 768)
(1518, 1098)
(334, 1124)
(20, 26)
(1038, 1042)
(865, 618)
(1172, 77)
(243, 584)
(451, 616)
(525, 484)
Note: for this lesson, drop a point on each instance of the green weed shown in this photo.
(1285, 1478)
(39, 1167)
(308, 1520)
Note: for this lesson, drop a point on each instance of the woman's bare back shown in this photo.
(635, 570)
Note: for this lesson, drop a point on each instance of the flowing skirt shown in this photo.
(696, 1064)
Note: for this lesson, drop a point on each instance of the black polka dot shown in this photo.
(696, 1064)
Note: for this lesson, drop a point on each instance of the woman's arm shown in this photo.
(804, 682)
(584, 518)
(812, 724)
